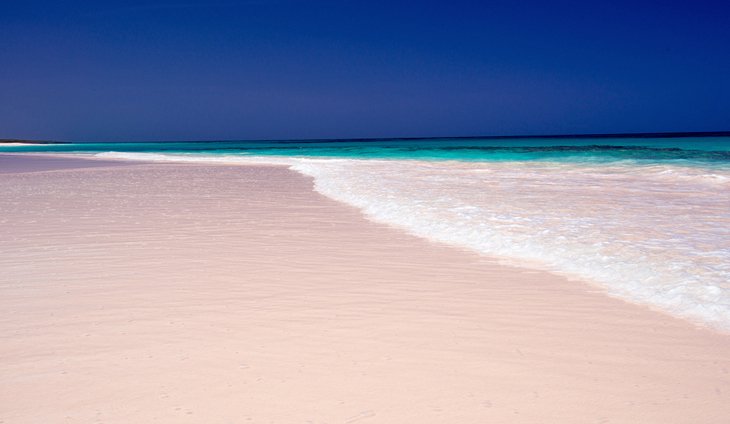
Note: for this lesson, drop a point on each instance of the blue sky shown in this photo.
(183, 70)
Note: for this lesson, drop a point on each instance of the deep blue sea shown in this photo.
(645, 219)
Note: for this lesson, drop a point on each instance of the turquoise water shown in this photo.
(645, 219)
(710, 151)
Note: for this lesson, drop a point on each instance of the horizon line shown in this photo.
(666, 134)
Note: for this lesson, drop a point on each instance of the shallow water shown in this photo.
(658, 235)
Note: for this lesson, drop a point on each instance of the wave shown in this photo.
(651, 234)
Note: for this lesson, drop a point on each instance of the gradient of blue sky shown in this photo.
(172, 70)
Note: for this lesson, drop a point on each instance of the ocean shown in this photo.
(646, 219)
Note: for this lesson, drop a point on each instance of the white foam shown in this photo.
(656, 235)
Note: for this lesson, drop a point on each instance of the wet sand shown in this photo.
(18, 163)
(219, 294)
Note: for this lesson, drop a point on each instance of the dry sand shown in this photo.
(221, 294)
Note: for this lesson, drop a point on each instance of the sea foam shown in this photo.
(652, 234)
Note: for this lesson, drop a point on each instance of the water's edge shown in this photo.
(601, 229)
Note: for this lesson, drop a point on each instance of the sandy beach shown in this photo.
(182, 293)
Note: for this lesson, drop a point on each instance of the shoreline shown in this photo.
(698, 317)
(44, 162)
(247, 291)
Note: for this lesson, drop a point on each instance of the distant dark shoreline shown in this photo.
(16, 140)
(484, 137)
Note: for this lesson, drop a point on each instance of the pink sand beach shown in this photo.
(182, 293)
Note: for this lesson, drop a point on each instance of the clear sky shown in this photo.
(173, 70)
